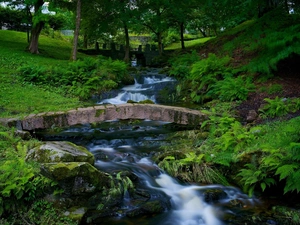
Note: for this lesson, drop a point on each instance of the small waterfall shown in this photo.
(146, 87)
(189, 207)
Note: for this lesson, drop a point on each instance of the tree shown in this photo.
(181, 13)
(37, 26)
(154, 17)
(76, 33)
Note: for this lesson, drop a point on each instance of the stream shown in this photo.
(130, 145)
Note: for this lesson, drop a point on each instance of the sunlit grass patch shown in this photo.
(187, 44)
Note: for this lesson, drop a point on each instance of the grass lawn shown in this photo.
(18, 98)
(192, 43)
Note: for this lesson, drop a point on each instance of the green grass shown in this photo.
(18, 98)
(192, 43)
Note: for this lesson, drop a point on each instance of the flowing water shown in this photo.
(147, 86)
(129, 146)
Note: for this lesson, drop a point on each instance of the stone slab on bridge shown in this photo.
(102, 113)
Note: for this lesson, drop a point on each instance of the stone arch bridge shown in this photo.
(103, 113)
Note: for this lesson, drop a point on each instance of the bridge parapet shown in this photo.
(103, 113)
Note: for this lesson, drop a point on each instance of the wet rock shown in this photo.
(75, 213)
(25, 135)
(213, 195)
(149, 207)
(251, 116)
(50, 152)
(76, 178)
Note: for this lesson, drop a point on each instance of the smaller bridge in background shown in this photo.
(144, 54)
(103, 113)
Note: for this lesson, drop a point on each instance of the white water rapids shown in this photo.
(144, 88)
(129, 147)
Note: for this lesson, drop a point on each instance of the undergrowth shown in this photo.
(254, 157)
(22, 186)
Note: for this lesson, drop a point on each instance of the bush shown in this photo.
(82, 78)
(21, 183)
(181, 65)
(232, 88)
(279, 107)
(205, 74)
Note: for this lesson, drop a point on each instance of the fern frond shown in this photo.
(286, 170)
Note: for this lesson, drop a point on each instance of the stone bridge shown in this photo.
(102, 113)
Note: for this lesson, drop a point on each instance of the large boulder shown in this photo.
(76, 178)
(60, 151)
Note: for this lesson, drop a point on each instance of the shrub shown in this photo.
(181, 65)
(205, 74)
(82, 78)
(232, 88)
(21, 182)
(275, 107)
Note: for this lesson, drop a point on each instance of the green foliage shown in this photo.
(13, 19)
(21, 182)
(231, 88)
(42, 212)
(188, 44)
(279, 107)
(205, 74)
(272, 38)
(181, 65)
(172, 36)
(279, 159)
(253, 175)
(286, 215)
(275, 89)
(192, 168)
(82, 78)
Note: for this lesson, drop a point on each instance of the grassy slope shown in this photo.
(258, 45)
(187, 44)
(17, 98)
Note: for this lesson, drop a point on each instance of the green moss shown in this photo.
(99, 112)
(131, 101)
(75, 213)
(147, 101)
(59, 120)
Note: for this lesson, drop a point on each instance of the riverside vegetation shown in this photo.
(261, 157)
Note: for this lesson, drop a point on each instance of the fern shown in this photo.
(231, 89)
(205, 73)
(276, 107)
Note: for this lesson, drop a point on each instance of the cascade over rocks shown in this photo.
(84, 187)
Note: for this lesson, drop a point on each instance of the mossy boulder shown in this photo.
(76, 178)
(60, 151)
(75, 213)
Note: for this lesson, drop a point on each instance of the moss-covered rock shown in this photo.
(76, 178)
(147, 101)
(75, 213)
(54, 151)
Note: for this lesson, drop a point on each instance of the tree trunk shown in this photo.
(36, 29)
(286, 6)
(85, 41)
(159, 40)
(127, 47)
(76, 33)
(181, 35)
(202, 31)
